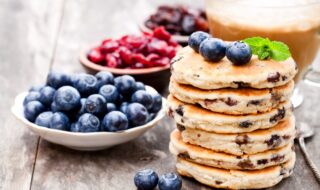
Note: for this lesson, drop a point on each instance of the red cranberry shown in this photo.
(111, 61)
(137, 66)
(141, 59)
(152, 56)
(161, 33)
(171, 52)
(125, 55)
(162, 62)
(109, 46)
(95, 55)
(158, 46)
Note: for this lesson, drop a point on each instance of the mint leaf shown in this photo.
(265, 49)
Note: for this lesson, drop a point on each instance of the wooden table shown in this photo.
(37, 36)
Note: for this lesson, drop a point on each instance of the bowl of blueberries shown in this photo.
(89, 112)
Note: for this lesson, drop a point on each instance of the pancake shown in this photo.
(243, 143)
(236, 179)
(208, 157)
(233, 101)
(192, 116)
(189, 67)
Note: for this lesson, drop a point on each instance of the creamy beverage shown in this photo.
(294, 22)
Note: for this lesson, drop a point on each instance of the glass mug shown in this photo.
(294, 22)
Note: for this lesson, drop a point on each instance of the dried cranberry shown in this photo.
(95, 55)
(109, 46)
(189, 24)
(161, 33)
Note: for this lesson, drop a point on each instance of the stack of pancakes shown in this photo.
(235, 126)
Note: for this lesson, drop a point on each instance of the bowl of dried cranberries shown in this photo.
(146, 57)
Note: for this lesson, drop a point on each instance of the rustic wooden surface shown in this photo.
(41, 35)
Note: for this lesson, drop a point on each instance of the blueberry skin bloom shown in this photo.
(146, 179)
(67, 98)
(125, 84)
(115, 121)
(111, 107)
(110, 93)
(31, 96)
(137, 114)
(88, 123)
(123, 107)
(239, 53)
(44, 119)
(104, 77)
(60, 121)
(96, 104)
(143, 98)
(32, 110)
(56, 79)
(157, 103)
(170, 181)
(140, 86)
(213, 49)
(196, 38)
(46, 95)
(86, 84)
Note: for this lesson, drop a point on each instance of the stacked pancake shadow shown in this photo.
(236, 135)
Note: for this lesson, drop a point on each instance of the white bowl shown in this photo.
(85, 141)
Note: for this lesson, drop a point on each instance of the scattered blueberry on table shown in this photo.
(87, 103)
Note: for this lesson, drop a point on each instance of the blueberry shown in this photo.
(67, 98)
(239, 53)
(170, 181)
(74, 78)
(157, 103)
(60, 121)
(115, 121)
(96, 104)
(88, 123)
(86, 84)
(31, 96)
(32, 110)
(74, 127)
(196, 38)
(54, 107)
(46, 95)
(36, 88)
(137, 114)
(111, 107)
(140, 86)
(146, 179)
(125, 85)
(110, 93)
(56, 79)
(123, 107)
(44, 119)
(213, 49)
(82, 109)
(104, 77)
(142, 97)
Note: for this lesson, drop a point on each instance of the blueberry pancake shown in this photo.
(189, 67)
(208, 157)
(233, 101)
(236, 179)
(193, 116)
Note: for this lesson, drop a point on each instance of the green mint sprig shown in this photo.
(266, 49)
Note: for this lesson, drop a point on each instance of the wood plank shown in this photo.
(27, 31)
(86, 23)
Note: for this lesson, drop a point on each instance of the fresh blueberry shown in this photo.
(157, 103)
(111, 107)
(170, 181)
(36, 88)
(74, 78)
(146, 179)
(104, 77)
(196, 38)
(67, 98)
(142, 97)
(44, 119)
(137, 114)
(74, 127)
(54, 107)
(31, 96)
(60, 121)
(125, 85)
(110, 93)
(56, 79)
(123, 107)
(239, 53)
(88, 123)
(46, 95)
(213, 49)
(115, 121)
(140, 86)
(96, 104)
(86, 84)
(32, 110)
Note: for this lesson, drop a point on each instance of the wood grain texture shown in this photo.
(85, 23)
(27, 31)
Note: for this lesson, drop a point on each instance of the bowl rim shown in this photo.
(18, 104)
(126, 71)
